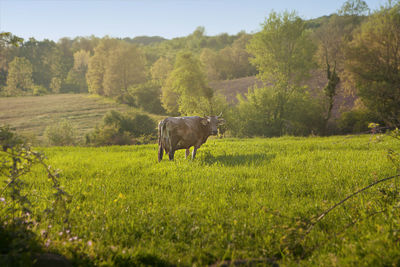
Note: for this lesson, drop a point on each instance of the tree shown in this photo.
(210, 60)
(48, 61)
(125, 67)
(283, 49)
(19, 79)
(6, 40)
(161, 69)
(186, 88)
(354, 8)
(330, 56)
(228, 63)
(76, 79)
(283, 54)
(373, 59)
(97, 65)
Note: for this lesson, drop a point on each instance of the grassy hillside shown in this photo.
(32, 114)
(240, 199)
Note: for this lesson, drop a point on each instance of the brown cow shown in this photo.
(184, 132)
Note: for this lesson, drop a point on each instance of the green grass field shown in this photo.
(240, 199)
(30, 115)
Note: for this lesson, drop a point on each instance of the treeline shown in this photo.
(63, 66)
(358, 50)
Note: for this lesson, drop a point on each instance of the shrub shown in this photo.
(61, 134)
(260, 114)
(123, 129)
(147, 97)
(127, 99)
(18, 243)
(108, 136)
(39, 90)
(356, 121)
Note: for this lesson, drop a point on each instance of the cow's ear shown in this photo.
(221, 121)
(204, 122)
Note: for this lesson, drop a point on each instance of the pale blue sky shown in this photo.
(167, 18)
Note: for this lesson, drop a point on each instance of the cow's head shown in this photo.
(212, 122)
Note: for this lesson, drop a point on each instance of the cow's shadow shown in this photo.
(237, 160)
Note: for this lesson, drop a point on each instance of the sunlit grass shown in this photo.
(224, 204)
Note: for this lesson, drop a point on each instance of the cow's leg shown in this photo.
(194, 152)
(160, 152)
(171, 154)
(187, 153)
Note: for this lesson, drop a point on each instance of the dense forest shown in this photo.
(355, 52)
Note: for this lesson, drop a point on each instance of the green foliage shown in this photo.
(239, 200)
(230, 62)
(161, 69)
(123, 129)
(61, 134)
(330, 56)
(97, 65)
(76, 78)
(19, 79)
(147, 97)
(186, 88)
(256, 115)
(283, 54)
(373, 60)
(354, 8)
(7, 38)
(282, 50)
(114, 67)
(356, 121)
(39, 90)
(19, 213)
(49, 60)
(125, 66)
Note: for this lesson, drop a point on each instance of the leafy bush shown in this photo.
(127, 99)
(39, 90)
(61, 134)
(257, 115)
(147, 97)
(18, 242)
(356, 121)
(123, 129)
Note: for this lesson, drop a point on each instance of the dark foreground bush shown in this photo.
(123, 129)
(19, 244)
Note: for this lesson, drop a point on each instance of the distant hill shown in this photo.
(31, 115)
(317, 81)
(145, 40)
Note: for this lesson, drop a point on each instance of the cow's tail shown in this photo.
(161, 136)
(160, 146)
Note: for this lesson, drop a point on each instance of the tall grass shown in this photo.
(237, 200)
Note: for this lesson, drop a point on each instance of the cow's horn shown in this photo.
(219, 115)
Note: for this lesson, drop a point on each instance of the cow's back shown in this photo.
(185, 132)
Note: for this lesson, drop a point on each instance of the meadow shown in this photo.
(241, 199)
(30, 115)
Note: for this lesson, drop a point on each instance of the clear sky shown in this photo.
(167, 18)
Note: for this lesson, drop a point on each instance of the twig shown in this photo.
(323, 214)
